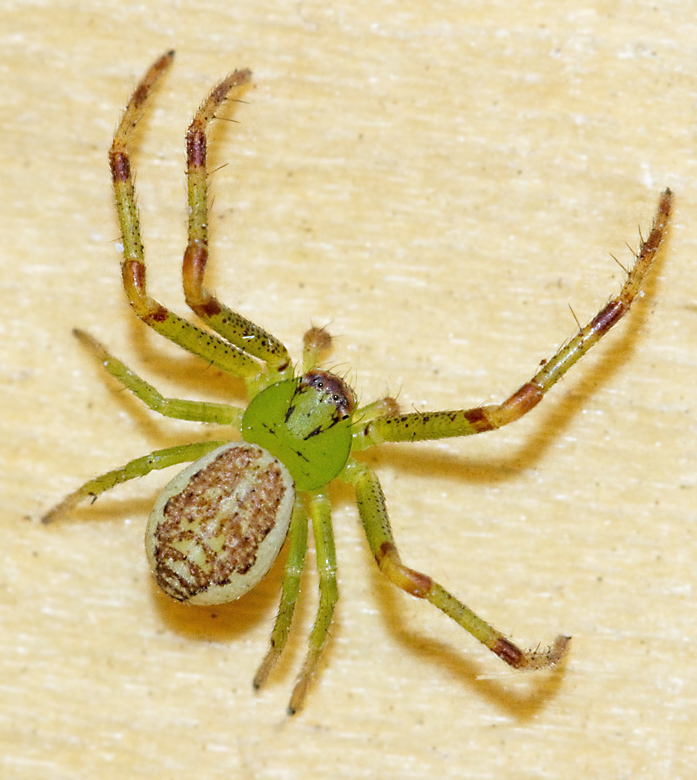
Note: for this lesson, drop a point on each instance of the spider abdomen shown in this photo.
(218, 526)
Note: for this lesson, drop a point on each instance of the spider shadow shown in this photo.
(552, 417)
(223, 623)
(226, 623)
(521, 695)
(181, 370)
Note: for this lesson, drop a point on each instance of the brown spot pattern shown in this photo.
(196, 146)
(508, 652)
(213, 528)
(478, 419)
(605, 319)
(120, 166)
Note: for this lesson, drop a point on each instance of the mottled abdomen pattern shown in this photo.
(219, 525)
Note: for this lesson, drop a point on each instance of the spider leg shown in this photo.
(181, 409)
(465, 422)
(320, 514)
(317, 344)
(373, 512)
(173, 327)
(160, 459)
(295, 563)
(383, 407)
(235, 328)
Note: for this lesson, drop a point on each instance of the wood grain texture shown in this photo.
(436, 182)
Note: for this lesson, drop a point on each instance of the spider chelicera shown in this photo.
(218, 526)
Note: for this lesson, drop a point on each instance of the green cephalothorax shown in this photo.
(218, 526)
(306, 424)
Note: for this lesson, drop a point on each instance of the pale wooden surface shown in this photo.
(436, 181)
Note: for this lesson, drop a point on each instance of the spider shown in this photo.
(219, 525)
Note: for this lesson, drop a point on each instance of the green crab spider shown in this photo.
(219, 525)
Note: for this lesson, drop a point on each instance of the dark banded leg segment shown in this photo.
(371, 505)
(173, 327)
(235, 328)
(466, 422)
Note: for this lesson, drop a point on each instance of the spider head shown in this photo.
(305, 423)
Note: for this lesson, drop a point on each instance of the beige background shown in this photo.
(437, 182)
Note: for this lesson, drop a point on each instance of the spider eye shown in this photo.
(333, 390)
